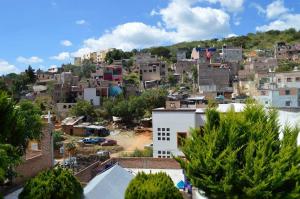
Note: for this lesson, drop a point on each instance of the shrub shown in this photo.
(56, 183)
(148, 186)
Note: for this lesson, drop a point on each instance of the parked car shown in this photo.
(96, 140)
(109, 143)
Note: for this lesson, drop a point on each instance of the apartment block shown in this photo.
(232, 54)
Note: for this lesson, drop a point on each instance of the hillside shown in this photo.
(259, 40)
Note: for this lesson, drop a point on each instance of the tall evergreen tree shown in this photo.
(30, 72)
(240, 155)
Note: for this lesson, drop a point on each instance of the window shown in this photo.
(163, 134)
(288, 103)
(164, 152)
(180, 138)
(289, 79)
(287, 92)
(297, 79)
(159, 152)
(279, 80)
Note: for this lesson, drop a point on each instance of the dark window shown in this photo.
(297, 79)
(168, 138)
(288, 103)
(287, 92)
(158, 138)
(168, 129)
(163, 138)
(288, 79)
(159, 134)
(168, 152)
(159, 156)
(168, 134)
(164, 152)
(158, 129)
(163, 134)
(180, 139)
(159, 152)
(163, 129)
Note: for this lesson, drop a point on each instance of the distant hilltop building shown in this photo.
(96, 57)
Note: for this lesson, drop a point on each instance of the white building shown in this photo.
(170, 125)
(91, 95)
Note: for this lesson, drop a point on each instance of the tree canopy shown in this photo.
(83, 108)
(240, 155)
(57, 183)
(149, 186)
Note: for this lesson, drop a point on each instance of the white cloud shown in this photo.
(181, 20)
(231, 35)
(230, 5)
(275, 9)
(258, 7)
(29, 60)
(61, 56)
(194, 22)
(66, 43)
(284, 22)
(80, 22)
(6, 68)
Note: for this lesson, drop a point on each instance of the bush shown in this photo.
(240, 155)
(57, 139)
(148, 186)
(56, 183)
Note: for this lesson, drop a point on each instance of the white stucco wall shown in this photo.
(176, 121)
(90, 94)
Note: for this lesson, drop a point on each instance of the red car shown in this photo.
(109, 143)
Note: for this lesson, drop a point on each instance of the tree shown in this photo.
(83, 108)
(57, 183)
(161, 52)
(148, 186)
(30, 72)
(9, 157)
(117, 54)
(20, 123)
(240, 155)
(154, 98)
(172, 80)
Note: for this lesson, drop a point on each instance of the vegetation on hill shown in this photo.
(135, 107)
(240, 155)
(148, 186)
(57, 183)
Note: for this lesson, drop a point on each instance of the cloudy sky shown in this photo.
(51, 32)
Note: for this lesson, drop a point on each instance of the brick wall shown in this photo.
(32, 166)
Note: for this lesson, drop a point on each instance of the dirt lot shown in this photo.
(128, 141)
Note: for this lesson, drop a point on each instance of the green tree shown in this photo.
(19, 123)
(57, 183)
(172, 80)
(30, 72)
(117, 54)
(9, 158)
(161, 52)
(83, 108)
(148, 186)
(240, 155)
(154, 98)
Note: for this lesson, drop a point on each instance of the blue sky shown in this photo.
(51, 32)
